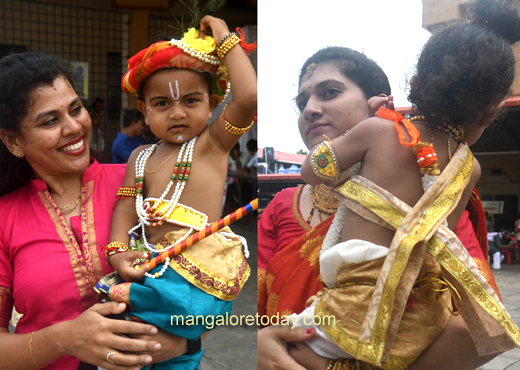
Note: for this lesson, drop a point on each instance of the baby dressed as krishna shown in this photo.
(171, 189)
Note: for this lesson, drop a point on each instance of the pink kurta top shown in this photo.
(47, 268)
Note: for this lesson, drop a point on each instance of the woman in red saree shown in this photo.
(293, 226)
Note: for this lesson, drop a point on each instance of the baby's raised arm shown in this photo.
(327, 160)
(239, 112)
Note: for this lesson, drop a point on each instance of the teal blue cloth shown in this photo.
(156, 300)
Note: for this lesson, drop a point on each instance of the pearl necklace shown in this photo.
(148, 215)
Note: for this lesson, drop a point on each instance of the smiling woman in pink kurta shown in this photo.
(57, 206)
(47, 268)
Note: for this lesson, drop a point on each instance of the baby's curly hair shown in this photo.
(465, 67)
(356, 66)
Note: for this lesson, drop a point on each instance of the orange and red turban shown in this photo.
(191, 52)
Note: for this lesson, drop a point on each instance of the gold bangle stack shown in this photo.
(225, 37)
(31, 352)
(234, 129)
(126, 191)
(227, 45)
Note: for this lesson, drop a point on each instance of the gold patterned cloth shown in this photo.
(419, 237)
(215, 264)
(423, 320)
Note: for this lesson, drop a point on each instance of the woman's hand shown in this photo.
(123, 263)
(91, 337)
(171, 345)
(273, 343)
(218, 27)
(305, 356)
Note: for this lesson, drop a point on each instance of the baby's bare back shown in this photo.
(393, 167)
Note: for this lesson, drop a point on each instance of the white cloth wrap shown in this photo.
(351, 251)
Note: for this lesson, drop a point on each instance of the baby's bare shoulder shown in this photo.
(375, 125)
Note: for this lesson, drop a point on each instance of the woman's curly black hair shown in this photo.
(361, 70)
(20, 75)
(466, 67)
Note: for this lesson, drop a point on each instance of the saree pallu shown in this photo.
(293, 275)
(419, 230)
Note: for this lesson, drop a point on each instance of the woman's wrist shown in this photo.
(48, 344)
(57, 335)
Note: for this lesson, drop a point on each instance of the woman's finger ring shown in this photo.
(110, 354)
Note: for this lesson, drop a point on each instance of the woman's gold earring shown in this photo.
(210, 114)
(19, 154)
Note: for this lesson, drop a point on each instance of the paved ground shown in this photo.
(508, 281)
(234, 347)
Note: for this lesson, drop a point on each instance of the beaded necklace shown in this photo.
(455, 132)
(146, 209)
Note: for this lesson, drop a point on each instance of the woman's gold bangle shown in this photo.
(234, 129)
(31, 352)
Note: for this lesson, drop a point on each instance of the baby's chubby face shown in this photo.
(177, 104)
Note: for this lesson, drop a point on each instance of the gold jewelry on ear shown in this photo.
(19, 154)
(210, 114)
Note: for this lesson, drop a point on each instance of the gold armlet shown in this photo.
(227, 45)
(234, 129)
(126, 192)
(324, 163)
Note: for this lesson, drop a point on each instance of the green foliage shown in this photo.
(195, 13)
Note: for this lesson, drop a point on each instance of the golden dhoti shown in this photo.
(384, 322)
